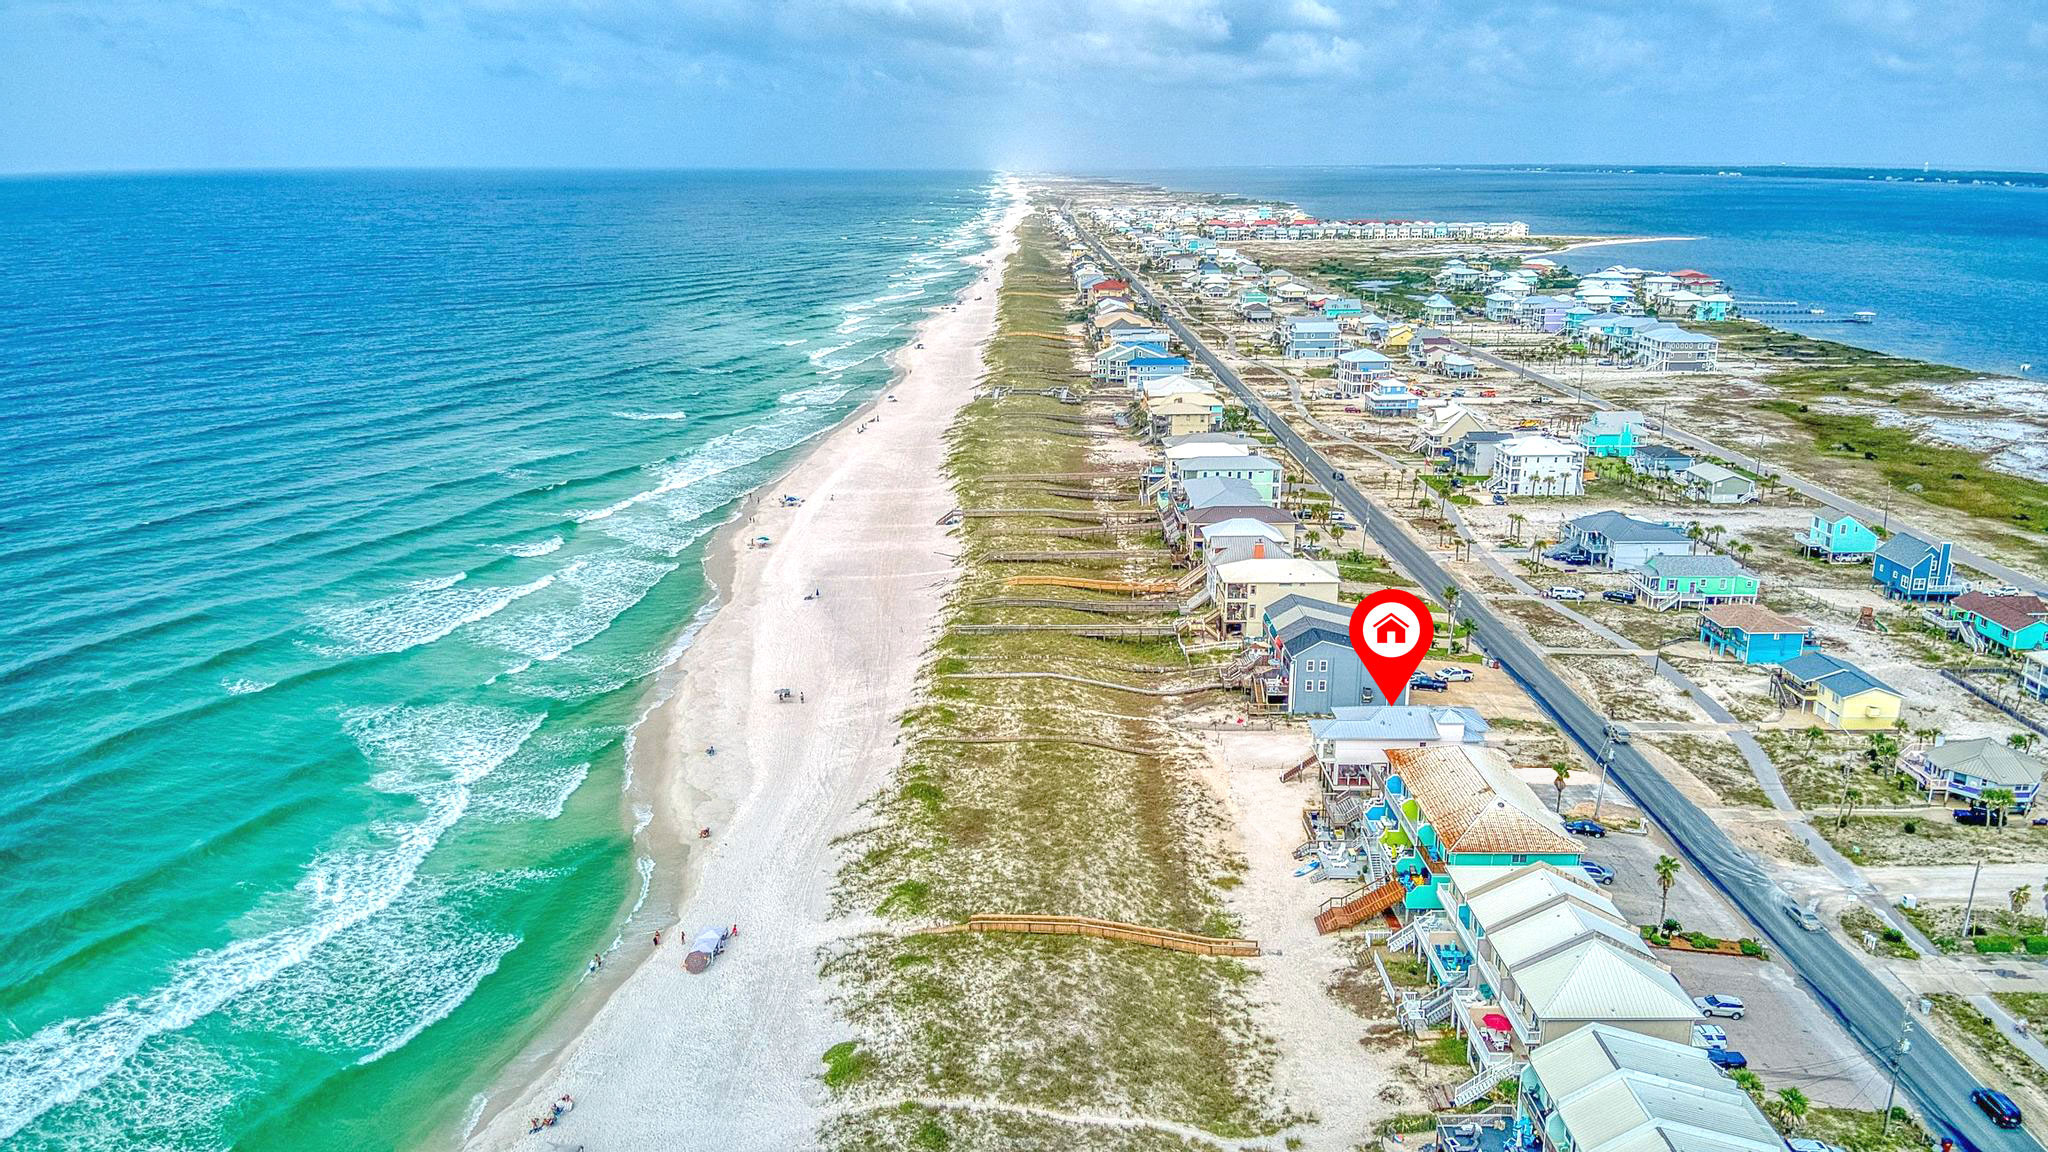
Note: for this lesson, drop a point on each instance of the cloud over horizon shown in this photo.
(1071, 84)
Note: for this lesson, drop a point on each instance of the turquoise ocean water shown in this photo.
(347, 518)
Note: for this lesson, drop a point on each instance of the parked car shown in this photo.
(1727, 1059)
(1729, 1006)
(1998, 1106)
(1709, 1036)
(1584, 828)
(1801, 1144)
(1567, 592)
(1979, 816)
(1424, 682)
(1597, 872)
(2001, 590)
(1452, 674)
(1620, 595)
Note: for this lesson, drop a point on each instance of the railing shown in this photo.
(1485, 1080)
(1109, 930)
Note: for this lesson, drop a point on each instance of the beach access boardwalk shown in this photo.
(1871, 1012)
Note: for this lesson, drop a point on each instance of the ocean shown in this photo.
(1957, 272)
(348, 518)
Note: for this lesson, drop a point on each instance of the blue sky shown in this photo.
(121, 84)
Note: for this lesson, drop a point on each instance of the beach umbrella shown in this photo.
(1495, 1021)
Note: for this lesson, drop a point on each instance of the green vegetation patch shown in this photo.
(921, 1128)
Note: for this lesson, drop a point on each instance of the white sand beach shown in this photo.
(730, 1058)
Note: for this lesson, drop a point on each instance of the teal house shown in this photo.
(1612, 434)
(2003, 623)
(1753, 634)
(1839, 540)
(1667, 582)
(1461, 804)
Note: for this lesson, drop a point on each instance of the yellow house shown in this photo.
(1397, 341)
(1185, 414)
(1837, 692)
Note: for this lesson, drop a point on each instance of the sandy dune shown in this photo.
(730, 1059)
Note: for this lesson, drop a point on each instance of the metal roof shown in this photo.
(1986, 759)
(1623, 529)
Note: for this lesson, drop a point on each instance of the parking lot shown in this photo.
(1790, 1040)
(1635, 891)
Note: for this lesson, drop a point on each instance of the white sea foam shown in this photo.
(535, 547)
(437, 583)
(414, 617)
(431, 755)
(652, 415)
(243, 686)
(587, 596)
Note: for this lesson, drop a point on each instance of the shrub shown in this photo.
(2037, 945)
(1894, 936)
(845, 1063)
(1701, 941)
(1912, 826)
(1750, 947)
(1672, 927)
(1994, 943)
(1401, 1123)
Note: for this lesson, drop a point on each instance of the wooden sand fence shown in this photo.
(1108, 930)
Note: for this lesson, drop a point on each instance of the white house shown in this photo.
(1538, 466)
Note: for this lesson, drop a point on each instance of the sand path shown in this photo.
(730, 1059)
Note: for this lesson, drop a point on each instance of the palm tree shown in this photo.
(1667, 875)
(1849, 798)
(1792, 1106)
(1515, 520)
(1693, 532)
(1814, 734)
(2018, 898)
(1560, 772)
(1749, 1082)
(1997, 800)
(2022, 741)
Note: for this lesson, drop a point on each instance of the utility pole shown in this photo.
(1606, 765)
(1905, 1045)
(1970, 904)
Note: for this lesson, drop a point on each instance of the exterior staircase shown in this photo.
(1484, 1081)
(1294, 773)
(1418, 1012)
(1359, 904)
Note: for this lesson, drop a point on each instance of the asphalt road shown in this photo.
(1872, 1014)
(1792, 480)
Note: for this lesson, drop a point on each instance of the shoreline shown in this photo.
(1618, 241)
(674, 788)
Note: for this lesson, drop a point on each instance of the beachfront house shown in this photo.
(1676, 350)
(1112, 365)
(1451, 805)
(1659, 460)
(1265, 475)
(1714, 484)
(1623, 543)
(1965, 768)
(1357, 368)
(1667, 582)
(1837, 693)
(1612, 433)
(1610, 1089)
(1838, 539)
(1243, 538)
(1542, 956)
(1144, 368)
(1753, 634)
(1303, 338)
(1351, 825)
(1910, 568)
(1184, 414)
(1500, 305)
(1439, 310)
(1244, 588)
(2002, 623)
(1323, 671)
(1538, 466)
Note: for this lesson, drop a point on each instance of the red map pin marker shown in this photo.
(1391, 631)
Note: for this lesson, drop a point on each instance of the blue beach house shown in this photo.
(1612, 433)
(1147, 368)
(1342, 307)
(1912, 569)
(1843, 538)
(1456, 805)
(1438, 309)
(1323, 669)
(1754, 634)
